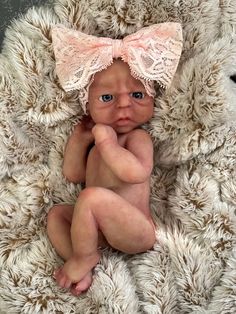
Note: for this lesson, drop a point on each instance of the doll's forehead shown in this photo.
(118, 66)
(116, 74)
(126, 84)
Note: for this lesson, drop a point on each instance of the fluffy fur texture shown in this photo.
(192, 268)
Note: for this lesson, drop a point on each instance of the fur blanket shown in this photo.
(192, 268)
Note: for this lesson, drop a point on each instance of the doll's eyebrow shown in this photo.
(103, 85)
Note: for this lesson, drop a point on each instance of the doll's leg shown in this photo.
(58, 229)
(125, 228)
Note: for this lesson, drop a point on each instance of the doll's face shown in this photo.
(119, 100)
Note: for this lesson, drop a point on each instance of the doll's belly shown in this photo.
(98, 174)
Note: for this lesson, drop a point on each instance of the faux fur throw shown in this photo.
(192, 268)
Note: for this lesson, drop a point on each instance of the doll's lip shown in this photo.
(123, 121)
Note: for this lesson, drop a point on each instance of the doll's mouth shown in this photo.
(123, 121)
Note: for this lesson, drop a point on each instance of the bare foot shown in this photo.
(75, 270)
(83, 285)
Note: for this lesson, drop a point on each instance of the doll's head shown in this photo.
(152, 54)
(117, 99)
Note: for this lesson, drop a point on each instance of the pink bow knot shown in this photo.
(117, 48)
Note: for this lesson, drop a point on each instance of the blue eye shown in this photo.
(106, 98)
(138, 95)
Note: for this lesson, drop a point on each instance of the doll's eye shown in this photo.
(138, 95)
(106, 98)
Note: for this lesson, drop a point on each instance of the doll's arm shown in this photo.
(75, 157)
(132, 164)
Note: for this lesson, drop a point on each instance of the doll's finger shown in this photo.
(88, 122)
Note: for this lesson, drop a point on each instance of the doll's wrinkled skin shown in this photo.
(113, 209)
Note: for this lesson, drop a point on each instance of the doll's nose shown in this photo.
(123, 101)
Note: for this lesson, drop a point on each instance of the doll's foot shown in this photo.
(83, 285)
(75, 271)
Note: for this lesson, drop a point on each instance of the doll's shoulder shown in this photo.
(139, 138)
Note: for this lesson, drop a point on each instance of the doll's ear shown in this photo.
(87, 109)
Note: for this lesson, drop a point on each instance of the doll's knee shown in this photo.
(59, 212)
(91, 195)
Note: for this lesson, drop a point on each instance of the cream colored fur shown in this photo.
(192, 268)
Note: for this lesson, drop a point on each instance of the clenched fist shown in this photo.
(103, 133)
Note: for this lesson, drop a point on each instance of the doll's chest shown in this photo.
(98, 173)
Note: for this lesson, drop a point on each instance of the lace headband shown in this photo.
(152, 54)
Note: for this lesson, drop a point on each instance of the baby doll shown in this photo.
(115, 78)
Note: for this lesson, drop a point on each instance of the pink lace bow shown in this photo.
(152, 54)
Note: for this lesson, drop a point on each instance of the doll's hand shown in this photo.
(83, 130)
(103, 133)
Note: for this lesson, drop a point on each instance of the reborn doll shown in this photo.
(116, 83)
